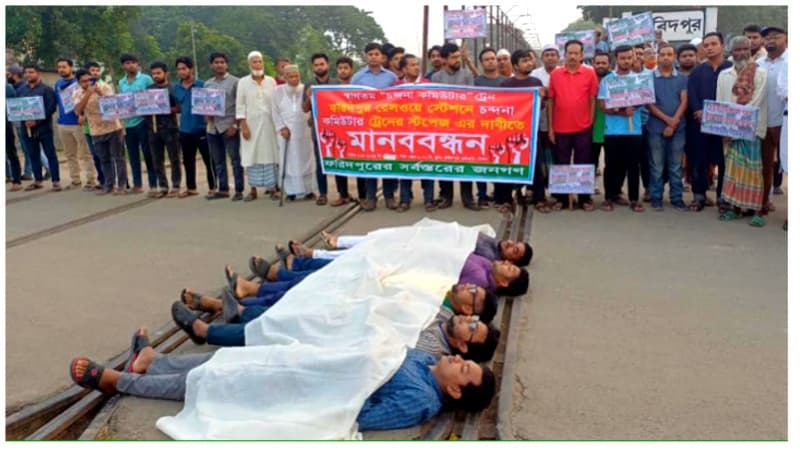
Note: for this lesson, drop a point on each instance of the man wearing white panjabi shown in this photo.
(291, 123)
(259, 147)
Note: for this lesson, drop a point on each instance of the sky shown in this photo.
(403, 24)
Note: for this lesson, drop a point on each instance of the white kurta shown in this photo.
(287, 111)
(254, 103)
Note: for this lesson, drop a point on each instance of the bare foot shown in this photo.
(289, 262)
(299, 249)
(207, 303)
(200, 328)
(330, 240)
(272, 274)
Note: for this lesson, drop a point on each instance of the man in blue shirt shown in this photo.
(376, 76)
(623, 140)
(666, 129)
(192, 127)
(39, 132)
(70, 133)
(702, 148)
(412, 396)
(135, 130)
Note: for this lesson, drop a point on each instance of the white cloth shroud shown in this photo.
(313, 359)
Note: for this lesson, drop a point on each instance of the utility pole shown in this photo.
(194, 52)
(425, 39)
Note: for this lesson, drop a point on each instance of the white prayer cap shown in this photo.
(696, 41)
(291, 68)
(503, 52)
(549, 47)
(253, 54)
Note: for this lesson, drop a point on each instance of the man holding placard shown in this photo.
(623, 138)
(69, 131)
(40, 132)
(135, 131)
(162, 132)
(743, 184)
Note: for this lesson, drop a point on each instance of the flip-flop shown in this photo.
(138, 342)
(230, 310)
(258, 266)
(302, 250)
(184, 318)
(232, 279)
(196, 305)
(91, 377)
(282, 253)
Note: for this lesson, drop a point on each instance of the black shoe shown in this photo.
(237, 197)
(471, 205)
(217, 195)
(184, 318)
(26, 178)
(230, 312)
(445, 203)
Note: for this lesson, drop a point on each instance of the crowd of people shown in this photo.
(267, 124)
(446, 366)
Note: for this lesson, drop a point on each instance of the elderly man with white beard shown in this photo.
(291, 123)
(259, 147)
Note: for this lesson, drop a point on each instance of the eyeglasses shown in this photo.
(473, 327)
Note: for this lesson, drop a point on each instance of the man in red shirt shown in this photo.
(570, 110)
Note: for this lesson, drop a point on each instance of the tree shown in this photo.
(581, 25)
(208, 41)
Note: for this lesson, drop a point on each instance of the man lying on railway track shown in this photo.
(519, 253)
(412, 396)
(462, 299)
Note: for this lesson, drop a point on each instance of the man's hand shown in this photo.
(668, 132)
(30, 123)
(230, 132)
(245, 131)
(285, 133)
(628, 112)
(552, 135)
(674, 123)
(208, 119)
(81, 120)
(698, 115)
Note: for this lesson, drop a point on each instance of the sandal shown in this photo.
(91, 377)
(250, 197)
(729, 215)
(231, 277)
(321, 200)
(195, 300)
(327, 240)
(543, 208)
(588, 206)
(607, 206)
(184, 318)
(259, 267)
(275, 194)
(757, 221)
(621, 201)
(138, 342)
(557, 206)
(696, 206)
(637, 207)
(430, 207)
(282, 253)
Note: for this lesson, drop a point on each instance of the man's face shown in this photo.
(436, 59)
(741, 51)
(85, 81)
(279, 68)
(666, 57)
(505, 270)
(601, 65)
(524, 65)
(395, 63)
(625, 60)
(756, 41)
(687, 60)
(489, 62)
(220, 67)
(292, 78)
(94, 72)
(454, 60)
(159, 76)
(344, 71)
(411, 70)
(467, 329)
(64, 69)
(183, 71)
(504, 62)
(775, 41)
(320, 67)
(456, 372)
(130, 67)
(550, 59)
(374, 58)
(31, 75)
(512, 250)
(467, 298)
(574, 54)
(638, 54)
(650, 58)
(712, 46)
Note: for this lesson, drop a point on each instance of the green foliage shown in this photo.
(581, 25)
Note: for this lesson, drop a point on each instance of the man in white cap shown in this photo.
(701, 53)
(504, 63)
(254, 113)
(291, 123)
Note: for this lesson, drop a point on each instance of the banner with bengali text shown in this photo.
(427, 131)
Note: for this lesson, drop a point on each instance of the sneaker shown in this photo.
(680, 205)
(777, 191)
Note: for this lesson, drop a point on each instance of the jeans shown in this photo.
(623, 153)
(539, 183)
(361, 188)
(190, 144)
(44, 138)
(370, 188)
(232, 334)
(644, 160)
(159, 140)
(218, 144)
(112, 155)
(669, 152)
(769, 148)
(308, 264)
(98, 166)
(13, 169)
(28, 168)
(269, 293)
(164, 379)
(322, 179)
(341, 186)
(137, 143)
(446, 191)
(390, 187)
(581, 144)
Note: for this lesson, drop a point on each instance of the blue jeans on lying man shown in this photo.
(302, 267)
(269, 293)
(232, 334)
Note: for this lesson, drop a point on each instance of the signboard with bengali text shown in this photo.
(586, 37)
(208, 102)
(468, 23)
(630, 90)
(20, 109)
(632, 30)
(729, 120)
(571, 179)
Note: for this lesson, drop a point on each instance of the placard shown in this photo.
(21, 109)
(586, 37)
(633, 89)
(572, 179)
(680, 25)
(468, 23)
(152, 101)
(729, 120)
(433, 132)
(208, 102)
(115, 107)
(632, 30)
(67, 97)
